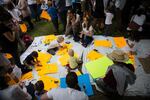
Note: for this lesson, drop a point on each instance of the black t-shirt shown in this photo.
(28, 59)
(7, 45)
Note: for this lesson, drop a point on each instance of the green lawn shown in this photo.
(46, 28)
(43, 28)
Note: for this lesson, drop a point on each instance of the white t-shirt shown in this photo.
(109, 17)
(139, 19)
(30, 2)
(68, 3)
(66, 94)
(15, 14)
(55, 44)
(85, 30)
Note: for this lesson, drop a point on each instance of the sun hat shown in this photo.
(118, 55)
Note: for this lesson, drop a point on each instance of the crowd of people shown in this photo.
(80, 20)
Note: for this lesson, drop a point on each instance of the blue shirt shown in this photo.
(52, 12)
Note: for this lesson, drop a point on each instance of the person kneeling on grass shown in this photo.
(118, 75)
(31, 60)
(72, 92)
(74, 62)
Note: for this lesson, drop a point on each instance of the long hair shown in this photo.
(4, 15)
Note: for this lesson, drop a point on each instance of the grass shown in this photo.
(44, 28)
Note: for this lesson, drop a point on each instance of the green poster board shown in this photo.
(98, 68)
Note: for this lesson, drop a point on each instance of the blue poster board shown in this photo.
(84, 83)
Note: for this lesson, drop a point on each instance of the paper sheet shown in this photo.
(27, 76)
(98, 68)
(78, 73)
(44, 57)
(49, 39)
(23, 27)
(8, 55)
(131, 59)
(120, 42)
(47, 69)
(45, 15)
(49, 82)
(64, 49)
(93, 55)
(64, 59)
(84, 81)
(104, 43)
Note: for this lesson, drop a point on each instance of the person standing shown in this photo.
(52, 11)
(119, 5)
(108, 21)
(62, 13)
(98, 14)
(34, 10)
(24, 8)
(8, 40)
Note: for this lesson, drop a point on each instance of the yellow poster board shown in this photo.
(47, 69)
(120, 42)
(27, 76)
(49, 82)
(45, 15)
(93, 55)
(23, 27)
(44, 57)
(103, 43)
(64, 49)
(49, 38)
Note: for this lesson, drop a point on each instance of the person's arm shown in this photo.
(9, 36)
(26, 64)
(90, 33)
(48, 95)
(19, 93)
(14, 77)
(22, 4)
(44, 97)
(130, 45)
